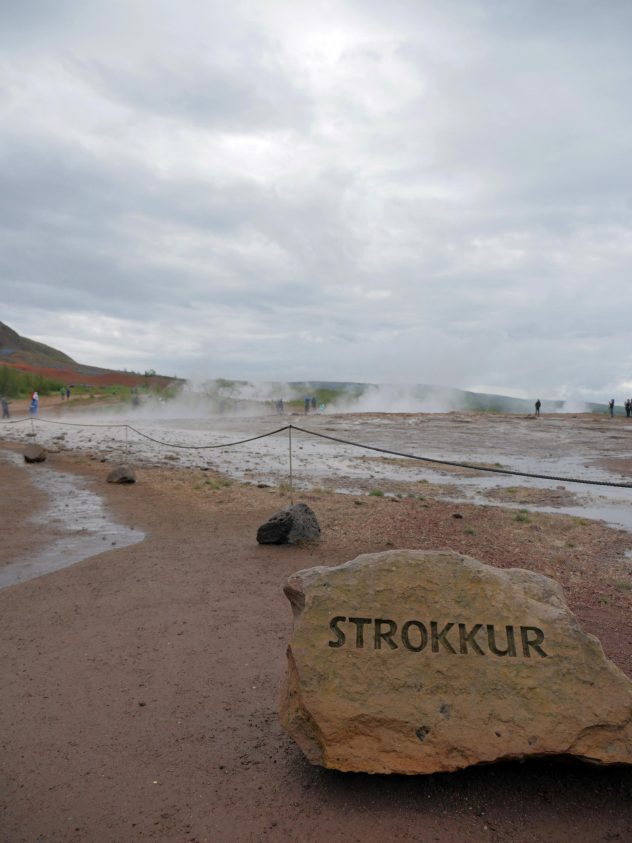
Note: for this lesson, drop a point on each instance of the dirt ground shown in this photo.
(139, 686)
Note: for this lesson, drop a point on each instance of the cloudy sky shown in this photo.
(423, 191)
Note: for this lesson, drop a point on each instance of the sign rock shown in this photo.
(426, 661)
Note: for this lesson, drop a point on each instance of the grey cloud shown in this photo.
(491, 212)
(250, 96)
(78, 212)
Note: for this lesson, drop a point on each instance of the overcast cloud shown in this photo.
(425, 192)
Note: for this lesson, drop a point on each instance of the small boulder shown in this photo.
(121, 474)
(34, 453)
(289, 526)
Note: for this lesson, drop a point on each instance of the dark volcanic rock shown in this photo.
(291, 525)
(34, 453)
(122, 474)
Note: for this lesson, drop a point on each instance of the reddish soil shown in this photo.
(139, 686)
(93, 377)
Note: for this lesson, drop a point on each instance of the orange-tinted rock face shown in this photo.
(417, 662)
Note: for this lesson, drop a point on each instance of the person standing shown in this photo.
(538, 404)
(611, 406)
(5, 408)
(34, 404)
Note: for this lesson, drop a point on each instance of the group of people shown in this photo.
(33, 405)
(627, 406)
(64, 392)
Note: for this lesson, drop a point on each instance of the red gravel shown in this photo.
(139, 686)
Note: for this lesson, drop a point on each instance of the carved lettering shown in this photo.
(466, 638)
(414, 636)
(340, 636)
(360, 624)
(440, 637)
(532, 642)
(423, 636)
(511, 641)
(385, 636)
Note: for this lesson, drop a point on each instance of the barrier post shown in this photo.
(289, 430)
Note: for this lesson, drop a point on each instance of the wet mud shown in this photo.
(73, 521)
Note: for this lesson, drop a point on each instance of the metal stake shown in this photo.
(289, 430)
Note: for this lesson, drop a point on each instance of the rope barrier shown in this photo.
(67, 424)
(291, 427)
(471, 466)
(209, 447)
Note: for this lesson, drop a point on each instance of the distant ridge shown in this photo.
(362, 397)
(456, 399)
(17, 349)
(37, 357)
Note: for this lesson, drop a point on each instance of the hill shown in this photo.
(36, 358)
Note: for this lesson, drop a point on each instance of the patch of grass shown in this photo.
(216, 485)
(469, 531)
(522, 516)
(376, 493)
(582, 522)
(623, 585)
(511, 490)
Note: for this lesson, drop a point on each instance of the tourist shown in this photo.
(538, 404)
(611, 406)
(34, 405)
(5, 407)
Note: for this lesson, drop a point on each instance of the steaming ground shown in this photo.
(581, 446)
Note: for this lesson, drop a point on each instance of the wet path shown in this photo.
(76, 518)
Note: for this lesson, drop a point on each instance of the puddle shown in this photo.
(79, 518)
